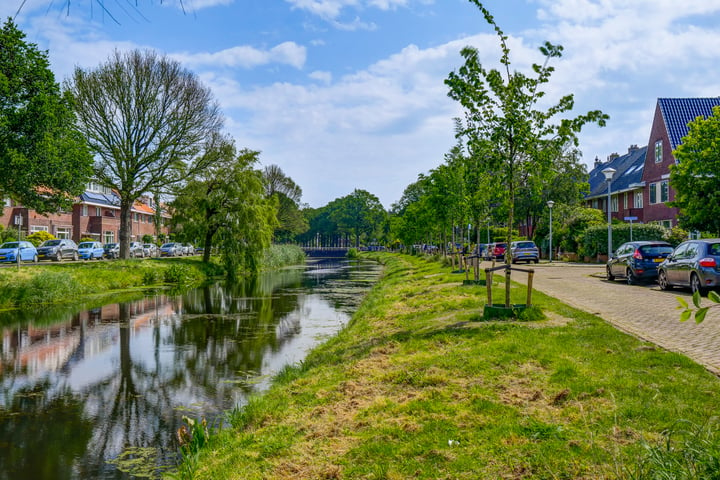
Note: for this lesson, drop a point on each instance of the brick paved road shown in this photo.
(644, 311)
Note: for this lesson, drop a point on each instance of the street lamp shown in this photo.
(550, 204)
(609, 172)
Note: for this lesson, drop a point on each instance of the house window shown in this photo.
(666, 223)
(653, 193)
(658, 151)
(63, 232)
(38, 228)
(595, 203)
(664, 191)
(614, 203)
(109, 237)
(625, 200)
(638, 199)
(8, 202)
(84, 211)
(98, 211)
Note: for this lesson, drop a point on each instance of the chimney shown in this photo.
(613, 156)
(597, 161)
(632, 148)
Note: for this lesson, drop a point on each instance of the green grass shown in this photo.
(415, 388)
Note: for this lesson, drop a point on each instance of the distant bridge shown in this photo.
(326, 252)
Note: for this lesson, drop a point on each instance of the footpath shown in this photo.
(644, 311)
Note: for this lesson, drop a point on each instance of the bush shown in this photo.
(353, 253)
(39, 237)
(593, 240)
(282, 255)
(181, 274)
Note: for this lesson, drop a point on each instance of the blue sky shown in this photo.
(346, 94)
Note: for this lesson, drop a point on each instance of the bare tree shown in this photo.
(145, 119)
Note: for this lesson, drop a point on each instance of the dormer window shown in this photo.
(658, 151)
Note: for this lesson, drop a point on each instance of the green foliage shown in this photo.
(360, 214)
(277, 256)
(39, 237)
(87, 239)
(181, 274)
(593, 240)
(148, 239)
(694, 176)
(699, 311)
(45, 287)
(291, 221)
(45, 159)
(353, 253)
(225, 205)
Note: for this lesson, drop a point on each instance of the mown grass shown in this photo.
(416, 387)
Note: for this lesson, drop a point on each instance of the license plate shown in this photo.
(658, 260)
(2, 257)
(41, 255)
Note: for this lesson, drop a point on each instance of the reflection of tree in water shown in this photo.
(160, 353)
(51, 426)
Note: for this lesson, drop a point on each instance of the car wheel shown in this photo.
(631, 280)
(696, 285)
(75, 256)
(536, 261)
(35, 258)
(663, 281)
(610, 276)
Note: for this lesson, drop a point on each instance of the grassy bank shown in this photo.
(57, 283)
(415, 387)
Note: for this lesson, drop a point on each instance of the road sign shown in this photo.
(630, 219)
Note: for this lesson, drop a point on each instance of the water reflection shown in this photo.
(77, 390)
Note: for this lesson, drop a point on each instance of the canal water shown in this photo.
(99, 393)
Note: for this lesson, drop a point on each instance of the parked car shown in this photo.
(58, 249)
(10, 251)
(497, 250)
(150, 250)
(188, 249)
(637, 261)
(694, 264)
(90, 250)
(171, 249)
(136, 250)
(524, 250)
(112, 250)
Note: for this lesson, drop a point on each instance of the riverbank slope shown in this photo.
(417, 387)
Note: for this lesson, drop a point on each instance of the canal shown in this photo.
(99, 393)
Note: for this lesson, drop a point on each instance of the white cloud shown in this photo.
(287, 53)
(324, 77)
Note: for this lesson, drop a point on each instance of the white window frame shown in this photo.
(84, 212)
(39, 228)
(64, 233)
(108, 236)
(659, 151)
(653, 193)
(614, 203)
(664, 191)
(638, 201)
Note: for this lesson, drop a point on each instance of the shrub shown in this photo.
(353, 253)
(181, 274)
(593, 240)
(39, 237)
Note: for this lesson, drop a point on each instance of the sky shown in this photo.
(349, 94)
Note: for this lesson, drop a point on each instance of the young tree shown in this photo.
(145, 119)
(44, 158)
(225, 205)
(359, 213)
(696, 175)
(503, 121)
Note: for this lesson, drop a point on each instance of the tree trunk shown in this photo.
(208, 246)
(511, 220)
(125, 227)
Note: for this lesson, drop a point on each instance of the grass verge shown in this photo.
(415, 387)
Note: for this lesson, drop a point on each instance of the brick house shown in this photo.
(95, 214)
(643, 189)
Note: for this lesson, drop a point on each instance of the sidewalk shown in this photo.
(644, 311)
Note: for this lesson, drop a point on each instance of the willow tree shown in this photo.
(287, 193)
(225, 205)
(504, 125)
(145, 119)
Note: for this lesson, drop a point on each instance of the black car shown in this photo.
(638, 261)
(694, 264)
(58, 249)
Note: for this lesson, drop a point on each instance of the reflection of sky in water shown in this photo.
(198, 354)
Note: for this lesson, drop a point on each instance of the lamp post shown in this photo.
(609, 172)
(550, 204)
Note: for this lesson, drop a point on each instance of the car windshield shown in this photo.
(110, 245)
(525, 245)
(86, 245)
(9, 245)
(168, 245)
(656, 250)
(51, 243)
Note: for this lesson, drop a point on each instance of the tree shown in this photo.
(291, 221)
(145, 119)
(695, 176)
(503, 122)
(44, 158)
(225, 205)
(359, 214)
